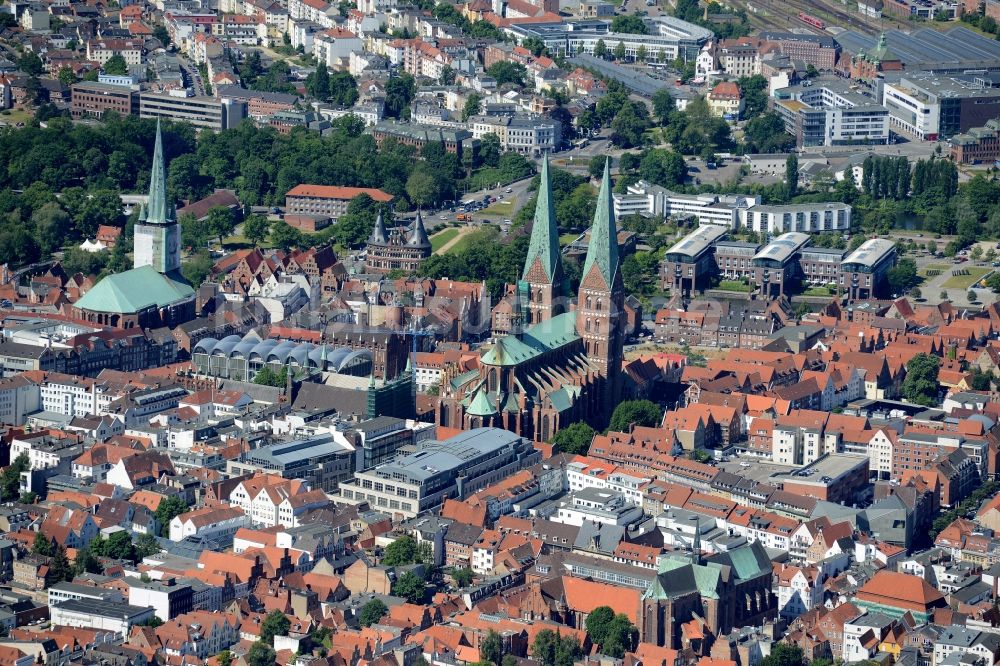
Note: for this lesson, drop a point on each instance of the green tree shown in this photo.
(754, 91)
(221, 222)
(619, 51)
(285, 236)
(162, 36)
(318, 83)
(491, 648)
(629, 125)
(535, 45)
(505, 71)
(423, 188)
(31, 64)
(598, 623)
(574, 439)
(903, 276)
(52, 226)
(639, 271)
(255, 228)
(664, 105)
(261, 654)
(268, 377)
(637, 412)
(629, 23)
(10, 478)
(400, 552)
(146, 545)
(765, 133)
(411, 587)
(447, 76)
(86, 562)
(921, 383)
(784, 654)
(462, 577)
(372, 612)
(792, 175)
(275, 624)
(116, 65)
(167, 510)
(225, 658)
(600, 49)
(197, 267)
(663, 167)
(66, 76)
(59, 567)
(472, 105)
(343, 89)
(119, 546)
(41, 545)
(399, 92)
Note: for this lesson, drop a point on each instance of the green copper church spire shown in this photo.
(544, 234)
(603, 247)
(158, 210)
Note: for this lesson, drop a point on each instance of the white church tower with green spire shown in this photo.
(157, 234)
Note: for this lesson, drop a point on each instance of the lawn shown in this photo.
(462, 243)
(734, 285)
(500, 209)
(975, 274)
(820, 291)
(440, 239)
(14, 116)
(566, 239)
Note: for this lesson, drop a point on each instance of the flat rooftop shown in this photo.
(824, 471)
(698, 241)
(782, 248)
(440, 457)
(871, 252)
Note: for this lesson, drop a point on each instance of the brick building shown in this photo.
(91, 98)
(326, 200)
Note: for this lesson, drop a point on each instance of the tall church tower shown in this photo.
(157, 234)
(600, 316)
(542, 285)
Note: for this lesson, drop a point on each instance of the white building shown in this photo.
(19, 396)
(101, 615)
(911, 112)
(213, 523)
(334, 46)
(599, 506)
(800, 589)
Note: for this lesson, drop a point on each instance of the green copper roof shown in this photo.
(603, 247)
(543, 336)
(481, 405)
(134, 290)
(544, 234)
(157, 210)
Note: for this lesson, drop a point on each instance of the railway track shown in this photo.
(783, 14)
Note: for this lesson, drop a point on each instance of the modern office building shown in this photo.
(777, 263)
(202, 112)
(929, 106)
(321, 461)
(802, 218)
(689, 264)
(828, 112)
(732, 210)
(670, 36)
(455, 467)
(863, 272)
(92, 98)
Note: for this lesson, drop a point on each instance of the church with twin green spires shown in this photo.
(153, 293)
(562, 361)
